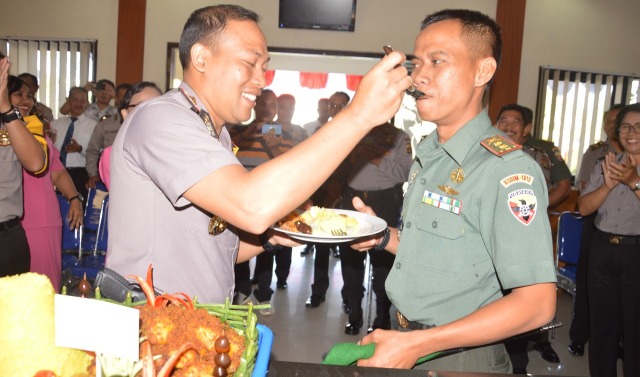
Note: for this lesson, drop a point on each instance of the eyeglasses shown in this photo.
(627, 127)
(337, 105)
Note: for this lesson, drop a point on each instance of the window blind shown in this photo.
(571, 107)
(58, 65)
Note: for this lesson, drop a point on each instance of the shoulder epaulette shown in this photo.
(595, 146)
(499, 145)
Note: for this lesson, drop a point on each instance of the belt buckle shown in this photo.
(615, 240)
(402, 320)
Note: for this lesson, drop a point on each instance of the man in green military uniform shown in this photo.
(471, 221)
(516, 122)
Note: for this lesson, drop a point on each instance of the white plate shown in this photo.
(368, 225)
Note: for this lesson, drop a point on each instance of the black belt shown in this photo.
(6, 225)
(619, 239)
(405, 324)
(371, 195)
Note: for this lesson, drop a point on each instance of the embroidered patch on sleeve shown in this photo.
(556, 151)
(522, 204)
(499, 145)
(516, 178)
(442, 202)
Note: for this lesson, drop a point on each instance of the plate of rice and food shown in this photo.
(326, 225)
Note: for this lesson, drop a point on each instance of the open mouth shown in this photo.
(250, 97)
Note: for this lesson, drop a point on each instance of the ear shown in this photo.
(124, 113)
(527, 129)
(199, 55)
(486, 69)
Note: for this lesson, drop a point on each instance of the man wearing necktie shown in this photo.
(72, 134)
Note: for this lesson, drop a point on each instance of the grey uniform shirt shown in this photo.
(10, 184)
(103, 136)
(394, 167)
(94, 112)
(620, 212)
(590, 159)
(162, 149)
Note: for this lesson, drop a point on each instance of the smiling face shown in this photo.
(631, 140)
(23, 100)
(229, 75)
(511, 123)
(451, 78)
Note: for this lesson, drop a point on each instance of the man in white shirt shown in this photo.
(72, 134)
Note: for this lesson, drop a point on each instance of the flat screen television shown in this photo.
(318, 14)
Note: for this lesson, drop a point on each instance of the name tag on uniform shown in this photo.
(442, 202)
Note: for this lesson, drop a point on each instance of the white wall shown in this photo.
(378, 22)
(594, 35)
(66, 19)
(589, 35)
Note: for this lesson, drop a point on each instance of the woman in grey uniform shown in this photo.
(613, 282)
(18, 149)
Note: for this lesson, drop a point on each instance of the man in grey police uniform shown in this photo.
(175, 181)
(597, 151)
(376, 170)
(471, 225)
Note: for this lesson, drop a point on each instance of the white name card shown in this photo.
(98, 326)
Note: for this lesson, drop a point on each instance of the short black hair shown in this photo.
(132, 91)
(480, 32)
(31, 76)
(634, 108)
(100, 85)
(525, 112)
(78, 89)
(206, 24)
(344, 94)
(14, 84)
(125, 86)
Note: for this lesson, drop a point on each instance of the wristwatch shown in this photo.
(636, 187)
(266, 245)
(10, 115)
(77, 196)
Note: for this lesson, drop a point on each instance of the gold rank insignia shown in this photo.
(217, 225)
(447, 189)
(4, 138)
(457, 175)
(499, 145)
